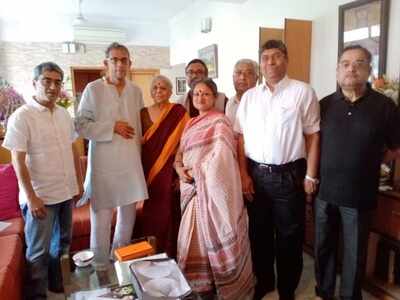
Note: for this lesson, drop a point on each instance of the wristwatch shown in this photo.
(313, 180)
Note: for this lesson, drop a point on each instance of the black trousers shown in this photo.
(276, 228)
(330, 219)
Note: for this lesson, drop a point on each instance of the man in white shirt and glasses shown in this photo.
(278, 126)
(40, 137)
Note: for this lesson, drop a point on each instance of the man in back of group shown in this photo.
(245, 76)
(40, 137)
(197, 70)
(357, 124)
(278, 126)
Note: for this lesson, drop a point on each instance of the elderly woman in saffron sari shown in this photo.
(213, 244)
(162, 124)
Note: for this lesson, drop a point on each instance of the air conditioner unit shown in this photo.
(99, 35)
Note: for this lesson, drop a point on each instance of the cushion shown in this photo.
(16, 227)
(9, 207)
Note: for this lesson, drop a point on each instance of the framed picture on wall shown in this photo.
(209, 55)
(180, 85)
(365, 22)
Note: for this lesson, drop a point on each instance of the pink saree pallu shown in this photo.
(213, 245)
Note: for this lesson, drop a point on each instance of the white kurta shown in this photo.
(115, 173)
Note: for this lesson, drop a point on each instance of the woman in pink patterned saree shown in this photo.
(213, 245)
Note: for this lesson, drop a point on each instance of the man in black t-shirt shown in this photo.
(357, 124)
(197, 70)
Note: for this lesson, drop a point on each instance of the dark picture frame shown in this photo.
(368, 19)
(209, 55)
(180, 85)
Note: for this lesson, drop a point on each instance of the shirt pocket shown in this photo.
(45, 137)
(288, 115)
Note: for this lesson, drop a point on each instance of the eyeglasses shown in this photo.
(355, 64)
(197, 72)
(47, 82)
(243, 73)
(115, 60)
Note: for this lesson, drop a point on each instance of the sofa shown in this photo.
(12, 258)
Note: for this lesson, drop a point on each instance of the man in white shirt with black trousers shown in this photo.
(278, 148)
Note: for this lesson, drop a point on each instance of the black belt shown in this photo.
(301, 162)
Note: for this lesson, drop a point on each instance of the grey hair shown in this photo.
(116, 45)
(249, 62)
(161, 78)
(47, 66)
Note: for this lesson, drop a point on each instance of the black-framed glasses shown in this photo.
(47, 82)
(355, 64)
(197, 72)
(115, 60)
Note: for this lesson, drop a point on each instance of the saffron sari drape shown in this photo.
(213, 243)
(161, 215)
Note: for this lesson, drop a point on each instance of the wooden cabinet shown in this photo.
(383, 260)
(387, 216)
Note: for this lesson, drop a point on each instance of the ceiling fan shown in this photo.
(79, 19)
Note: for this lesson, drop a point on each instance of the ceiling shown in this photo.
(98, 11)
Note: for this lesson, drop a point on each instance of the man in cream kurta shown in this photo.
(108, 116)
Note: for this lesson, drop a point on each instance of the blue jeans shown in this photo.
(330, 219)
(46, 240)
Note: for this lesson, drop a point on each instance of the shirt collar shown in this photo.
(280, 85)
(340, 96)
(36, 105)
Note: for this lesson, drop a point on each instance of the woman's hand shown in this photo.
(184, 173)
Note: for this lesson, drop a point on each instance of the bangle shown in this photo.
(313, 180)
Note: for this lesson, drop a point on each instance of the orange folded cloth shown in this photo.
(134, 251)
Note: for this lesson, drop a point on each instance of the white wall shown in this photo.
(236, 32)
(172, 73)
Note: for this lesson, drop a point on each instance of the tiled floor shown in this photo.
(305, 291)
